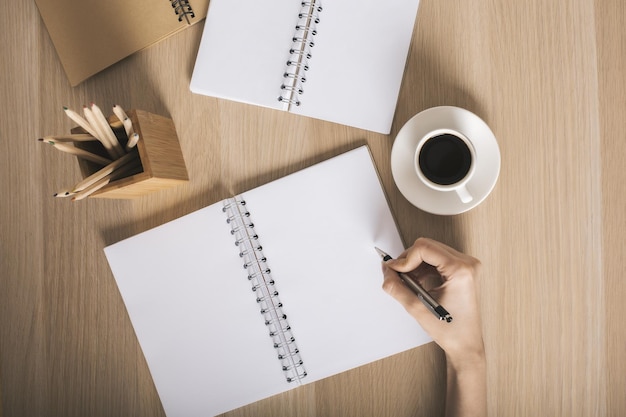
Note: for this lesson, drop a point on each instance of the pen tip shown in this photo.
(384, 255)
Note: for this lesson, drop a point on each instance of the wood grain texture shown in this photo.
(611, 44)
(548, 78)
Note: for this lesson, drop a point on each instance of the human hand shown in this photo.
(455, 272)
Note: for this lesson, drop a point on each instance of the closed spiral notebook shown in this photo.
(91, 35)
(340, 61)
(274, 288)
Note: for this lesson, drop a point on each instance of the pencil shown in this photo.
(98, 175)
(89, 191)
(128, 127)
(89, 128)
(112, 176)
(79, 137)
(63, 193)
(132, 141)
(126, 122)
(79, 152)
(103, 131)
(106, 129)
(81, 122)
(119, 112)
(52, 141)
(99, 134)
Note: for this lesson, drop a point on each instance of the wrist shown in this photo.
(466, 361)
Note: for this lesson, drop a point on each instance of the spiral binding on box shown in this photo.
(259, 275)
(300, 53)
(183, 10)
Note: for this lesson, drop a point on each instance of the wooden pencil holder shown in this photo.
(158, 149)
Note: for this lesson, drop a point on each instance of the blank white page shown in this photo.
(195, 316)
(356, 65)
(197, 319)
(318, 228)
(358, 62)
(244, 49)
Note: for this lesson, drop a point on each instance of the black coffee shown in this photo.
(445, 159)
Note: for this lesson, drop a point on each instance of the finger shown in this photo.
(394, 286)
(453, 252)
(424, 250)
(462, 263)
(427, 275)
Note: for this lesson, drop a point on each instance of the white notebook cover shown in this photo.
(356, 65)
(197, 319)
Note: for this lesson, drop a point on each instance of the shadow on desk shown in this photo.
(146, 218)
(429, 83)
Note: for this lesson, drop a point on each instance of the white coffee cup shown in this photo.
(475, 185)
(445, 160)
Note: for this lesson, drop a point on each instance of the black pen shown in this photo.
(421, 293)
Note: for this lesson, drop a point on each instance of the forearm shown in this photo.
(462, 339)
(466, 388)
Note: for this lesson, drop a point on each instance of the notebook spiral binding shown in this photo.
(300, 53)
(259, 275)
(183, 10)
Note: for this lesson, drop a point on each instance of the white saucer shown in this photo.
(403, 157)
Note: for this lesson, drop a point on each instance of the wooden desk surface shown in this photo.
(547, 76)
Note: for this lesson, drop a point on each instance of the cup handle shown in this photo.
(463, 194)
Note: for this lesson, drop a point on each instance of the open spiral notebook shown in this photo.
(340, 61)
(276, 287)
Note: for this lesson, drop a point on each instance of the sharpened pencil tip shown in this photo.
(65, 108)
(40, 139)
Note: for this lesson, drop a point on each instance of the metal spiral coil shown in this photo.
(300, 53)
(264, 287)
(183, 10)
